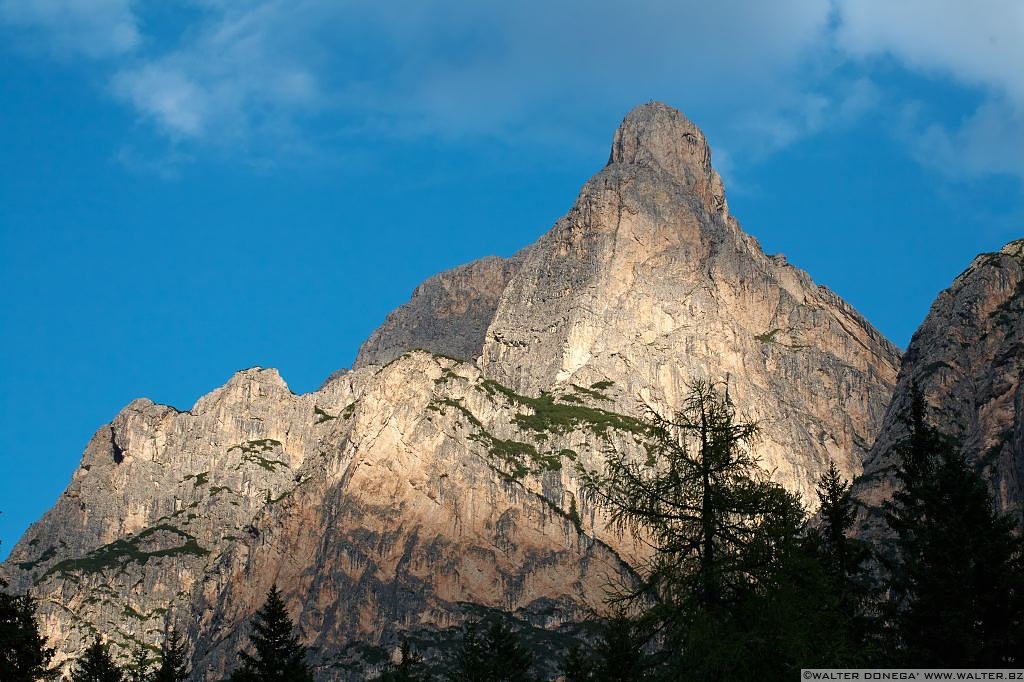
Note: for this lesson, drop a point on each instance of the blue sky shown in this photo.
(189, 191)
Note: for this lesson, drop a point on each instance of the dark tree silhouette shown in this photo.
(716, 523)
(848, 583)
(958, 579)
(140, 669)
(173, 663)
(410, 668)
(577, 666)
(24, 655)
(492, 655)
(97, 665)
(278, 655)
(618, 654)
(837, 516)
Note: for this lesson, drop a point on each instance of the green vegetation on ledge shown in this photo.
(125, 551)
(321, 416)
(520, 458)
(256, 446)
(252, 452)
(556, 417)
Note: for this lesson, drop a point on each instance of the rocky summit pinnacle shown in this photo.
(439, 480)
(656, 136)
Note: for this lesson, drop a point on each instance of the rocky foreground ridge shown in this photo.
(967, 359)
(427, 486)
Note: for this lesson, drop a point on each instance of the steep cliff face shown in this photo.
(382, 504)
(649, 283)
(412, 492)
(967, 359)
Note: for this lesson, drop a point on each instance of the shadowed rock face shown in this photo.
(447, 315)
(412, 492)
(967, 358)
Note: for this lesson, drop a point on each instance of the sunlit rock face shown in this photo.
(418, 490)
(649, 283)
(967, 359)
(385, 503)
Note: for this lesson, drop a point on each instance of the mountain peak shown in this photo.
(656, 136)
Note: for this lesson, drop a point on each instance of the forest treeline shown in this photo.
(741, 579)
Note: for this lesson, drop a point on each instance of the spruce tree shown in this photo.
(848, 583)
(140, 669)
(472, 660)
(957, 582)
(278, 657)
(96, 665)
(492, 655)
(837, 516)
(410, 668)
(576, 667)
(24, 655)
(618, 654)
(173, 664)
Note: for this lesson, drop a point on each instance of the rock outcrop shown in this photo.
(418, 490)
(967, 359)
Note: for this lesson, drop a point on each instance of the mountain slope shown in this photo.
(382, 503)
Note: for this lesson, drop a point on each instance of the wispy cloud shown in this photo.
(978, 45)
(70, 28)
(764, 74)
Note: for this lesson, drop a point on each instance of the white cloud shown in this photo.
(761, 75)
(977, 44)
(991, 140)
(91, 28)
(239, 70)
(167, 95)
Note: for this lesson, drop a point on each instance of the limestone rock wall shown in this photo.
(649, 283)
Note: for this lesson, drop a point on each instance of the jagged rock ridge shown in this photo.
(406, 495)
(967, 359)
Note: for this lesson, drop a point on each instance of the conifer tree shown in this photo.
(410, 668)
(472, 661)
(140, 669)
(837, 515)
(845, 561)
(173, 663)
(492, 655)
(715, 521)
(97, 665)
(734, 586)
(618, 654)
(24, 655)
(577, 666)
(278, 657)
(958, 579)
